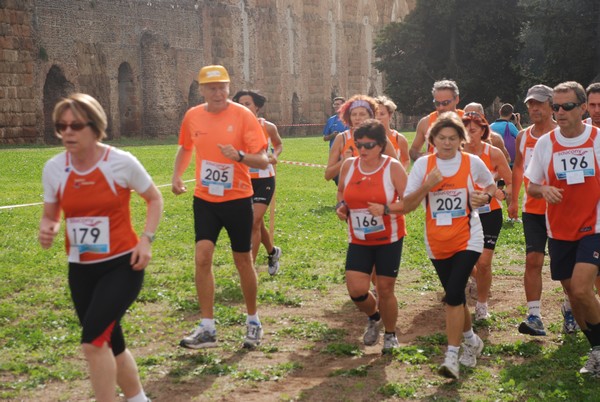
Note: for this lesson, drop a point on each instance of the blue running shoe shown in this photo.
(533, 325)
(569, 324)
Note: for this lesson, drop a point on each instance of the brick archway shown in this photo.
(56, 87)
(129, 105)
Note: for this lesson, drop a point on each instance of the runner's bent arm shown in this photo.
(182, 161)
(49, 224)
(517, 179)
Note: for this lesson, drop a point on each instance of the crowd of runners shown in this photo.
(462, 173)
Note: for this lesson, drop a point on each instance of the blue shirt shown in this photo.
(500, 125)
(333, 124)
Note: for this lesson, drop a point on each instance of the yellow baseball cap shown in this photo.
(210, 74)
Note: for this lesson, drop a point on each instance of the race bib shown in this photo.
(446, 205)
(218, 177)
(363, 223)
(262, 173)
(89, 234)
(574, 165)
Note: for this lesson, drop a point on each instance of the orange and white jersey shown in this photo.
(95, 203)
(360, 188)
(530, 205)
(219, 179)
(486, 157)
(570, 164)
(393, 137)
(269, 171)
(450, 223)
(348, 143)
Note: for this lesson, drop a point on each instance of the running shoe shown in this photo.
(274, 260)
(471, 352)
(569, 324)
(200, 338)
(481, 313)
(592, 366)
(254, 333)
(390, 342)
(450, 367)
(532, 325)
(371, 336)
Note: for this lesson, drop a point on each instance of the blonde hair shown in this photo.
(86, 108)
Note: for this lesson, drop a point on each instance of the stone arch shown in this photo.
(194, 97)
(129, 105)
(56, 87)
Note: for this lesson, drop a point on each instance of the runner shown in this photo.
(91, 183)
(263, 181)
(385, 110)
(444, 183)
(227, 140)
(368, 201)
(490, 214)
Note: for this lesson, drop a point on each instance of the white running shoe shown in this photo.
(471, 353)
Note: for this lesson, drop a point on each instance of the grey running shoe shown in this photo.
(481, 313)
(390, 342)
(471, 353)
(533, 325)
(569, 324)
(199, 339)
(592, 366)
(371, 336)
(274, 260)
(254, 333)
(450, 367)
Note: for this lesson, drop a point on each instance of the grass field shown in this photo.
(312, 348)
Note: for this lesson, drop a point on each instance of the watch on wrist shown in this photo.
(149, 235)
(339, 204)
(241, 154)
(386, 209)
(489, 197)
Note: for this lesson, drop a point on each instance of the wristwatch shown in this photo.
(489, 197)
(149, 235)
(386, 209)
(241, 155)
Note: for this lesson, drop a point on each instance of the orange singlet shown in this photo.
(450, 224)
(530, 205)
(360, 189)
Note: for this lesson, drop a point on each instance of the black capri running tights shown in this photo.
(454, 273)
(102, 293)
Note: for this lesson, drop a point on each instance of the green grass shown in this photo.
(39, 333)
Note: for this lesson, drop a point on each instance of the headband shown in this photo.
(361, 103)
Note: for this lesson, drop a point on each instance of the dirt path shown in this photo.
(421, 314)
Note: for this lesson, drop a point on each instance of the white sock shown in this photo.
(469, 337)
(141, 397)
(535, 308)
(483, 305)
(452, 349)
(252, 318)
(208, 323)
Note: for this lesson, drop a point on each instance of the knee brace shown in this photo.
(360, 298)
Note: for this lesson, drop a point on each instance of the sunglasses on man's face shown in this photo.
(366, 145)
(567, 106)
(443, 103)
(77, 126)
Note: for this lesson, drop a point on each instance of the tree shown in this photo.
(473, 42)
(562, 41)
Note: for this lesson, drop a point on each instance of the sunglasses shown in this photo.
(77, 126)
(366, 145)
(443, 103)
(568, 106)
(472, 116)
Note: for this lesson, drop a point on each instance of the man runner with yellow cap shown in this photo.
(228, 140)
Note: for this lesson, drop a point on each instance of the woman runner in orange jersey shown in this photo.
(385, 111)
(368, 200)
(356, 110)
(490, 214)
(263, 181)
(445, 183)
(91, 183)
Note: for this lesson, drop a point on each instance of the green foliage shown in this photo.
(463, 40)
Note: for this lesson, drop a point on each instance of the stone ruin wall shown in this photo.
(140, 59)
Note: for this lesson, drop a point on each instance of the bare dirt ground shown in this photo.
(421, 314)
